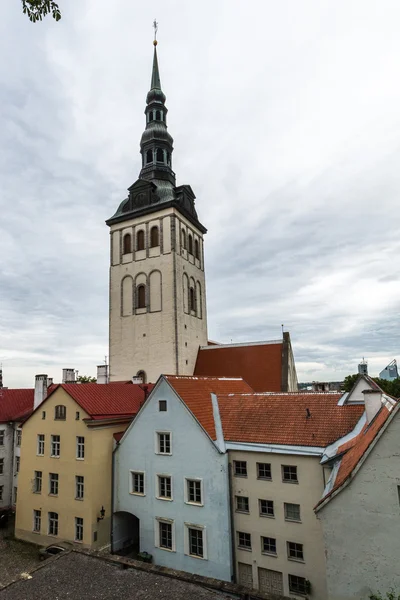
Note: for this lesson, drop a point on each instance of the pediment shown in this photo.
(141, 194)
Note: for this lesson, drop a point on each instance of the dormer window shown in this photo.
(160, 155)
(149, 156)
(60, 412)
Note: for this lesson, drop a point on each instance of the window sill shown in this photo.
(37, 532)
(298, 560)
(190, 503)
(136, 494)
(166, 549)
(287, 481)
(77, 458)
(54, 456)
(273, 554)
(162, 498)
(195, 556)
(164, 453)
(53, 495)
(242, 476)
(264, 478)
(245, 549)
(35, 492)
(79, 499)
(296, 593)
(242, 512)
(40, 455)
(293, 520)
(267, 516)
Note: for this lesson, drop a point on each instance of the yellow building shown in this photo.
(65, 475)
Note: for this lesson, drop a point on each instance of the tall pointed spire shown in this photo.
(155, 77)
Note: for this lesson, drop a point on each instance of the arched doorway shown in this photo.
(125, 534)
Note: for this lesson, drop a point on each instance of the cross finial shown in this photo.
(155, 25)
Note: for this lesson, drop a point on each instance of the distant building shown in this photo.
(363, 367)
(390, 373)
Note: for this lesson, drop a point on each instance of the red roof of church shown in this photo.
(15, 404)
(196, 394)
(260, 363)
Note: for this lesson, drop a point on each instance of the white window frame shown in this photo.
(186, 488)
(19, 438)
(57, 481)
(79, 446)
(81, 529)
(79, 485)
(157, 443)
(37, 478)
(157, 522)
(37, 518)
(40, 444)
(52, 520)
(157, 483)
(55, 445)
(285, 504)
(186, 543)
(133, 472)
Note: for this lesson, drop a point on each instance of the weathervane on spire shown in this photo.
(155, 25)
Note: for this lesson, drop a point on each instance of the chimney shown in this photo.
(1, 376)
(68, 375)
(373, 403)
(49, 382)
(102, 373)
(40, 390)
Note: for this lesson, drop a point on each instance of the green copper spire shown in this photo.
(155, 77)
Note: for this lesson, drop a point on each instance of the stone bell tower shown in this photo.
(158, 315)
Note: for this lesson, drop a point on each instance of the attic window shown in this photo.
(77, 416)
(162, 405)
(60, 412)
(43, 414)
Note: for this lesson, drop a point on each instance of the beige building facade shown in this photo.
(65, 475)
(278, 541)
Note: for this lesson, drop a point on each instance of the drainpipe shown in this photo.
(113, 495)
(10, 503)
(233, 547)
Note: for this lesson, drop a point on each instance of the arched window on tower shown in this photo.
(141, 296)
(149, 156)
(192, 300)
(160, 155)
(196, 249)
(140, 240)
(150, 115)
(169, 158)
(158, 115)
(127, 243)
(154, 237)
(183, 239)
(190, 244)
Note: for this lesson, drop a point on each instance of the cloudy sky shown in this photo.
(286, 123)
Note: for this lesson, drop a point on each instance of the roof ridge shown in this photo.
(262, 343)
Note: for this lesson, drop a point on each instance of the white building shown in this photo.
(360, 508)
(171, 488)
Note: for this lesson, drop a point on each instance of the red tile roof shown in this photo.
(118, 435)
(355, 449)
(282, 418)
(15, 404)
(196, 393)
(107, 400)
(259, 364)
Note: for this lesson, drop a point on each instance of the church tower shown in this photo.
(158, 315)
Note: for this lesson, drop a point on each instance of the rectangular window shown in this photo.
(55, 446)
(17, 463)
(1, 491)
(264, 471)
(295, 551)
(79, 487)
(53, 484)
(43, 414)
(1, 466)
(292, 511)
(164, 443)
(240, 468)
(194, 494)
(37, 520)
(164, 486)
(37, 482)
(78, 529)
(15, 494)
(80, 447)
(242, 504)
(266, 508)
(137, 483)
(1, 437)
(298, 585)
(196, 542)
(268, 545)
(19, 437)
(244, 540)
(77, 415)
(289, 474)
(53, 523)
(162, 405)
(60, 413)
(165, 533)
(40, 444)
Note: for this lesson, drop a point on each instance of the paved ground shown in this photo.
(15, 557)
(75, 576)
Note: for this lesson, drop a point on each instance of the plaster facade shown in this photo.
(361, 524)
(269, 571)
(193, 456)
(9, 463)
(165, 334)
(94, 467)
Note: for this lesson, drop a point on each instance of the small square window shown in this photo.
(299, 585)
(242, 504)
(295, 551)
(266, 508)
(240, 468)
(292, 511)
(268, 545)
(244, 540)
(162, 405)
(289, 474)
(264, 471)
